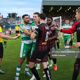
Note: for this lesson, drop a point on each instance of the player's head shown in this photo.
(36, 17)
(42, 16)
(67, 21)
(26, 18)
(49, 20)
(77, 14)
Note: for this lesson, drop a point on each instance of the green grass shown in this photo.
(11, 57)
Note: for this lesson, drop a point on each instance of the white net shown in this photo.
(58, 21)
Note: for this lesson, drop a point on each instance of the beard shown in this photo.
(26, 22)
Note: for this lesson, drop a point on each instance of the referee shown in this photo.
(3, 36)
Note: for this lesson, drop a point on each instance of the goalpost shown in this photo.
(58, 21)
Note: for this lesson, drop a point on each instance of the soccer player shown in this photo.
(3, 36)
(40, 54)
(75, 28)
(26, 45)
(67, 37)
(52, 41)
(35, 23)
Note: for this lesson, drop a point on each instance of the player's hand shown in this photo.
(77, 44)
(33, 35)
(18, 35)
(57, 28)
(44, 43)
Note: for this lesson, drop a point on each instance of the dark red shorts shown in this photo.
(45, 59)
(40, 54)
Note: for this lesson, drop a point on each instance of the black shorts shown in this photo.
(1, 50)
(17, 32)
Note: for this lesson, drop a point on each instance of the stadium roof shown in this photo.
(61, 2)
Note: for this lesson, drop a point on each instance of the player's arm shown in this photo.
(26, 32)
(33, 35)
(72, 36)
(54, 37)
(8, 37)
(70, 30)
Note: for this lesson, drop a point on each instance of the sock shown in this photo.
(35, 73)
(37, 66)
(49, 56)
(54, 60)
(18, 69)
(27, 70)
(51, 62)
(58, 45)
(48, 74)
(75, 73)
(76, 69)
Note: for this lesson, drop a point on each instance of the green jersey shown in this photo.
(66, 26)
(25, 38)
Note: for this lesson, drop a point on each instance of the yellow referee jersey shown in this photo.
(1, 40)
(17, 28)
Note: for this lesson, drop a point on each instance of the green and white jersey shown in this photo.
(26, 39)
(34, 27)
(66, 26)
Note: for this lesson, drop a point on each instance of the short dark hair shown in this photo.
(25, 15)
(50, 17)
(42, 16)
(37, 13)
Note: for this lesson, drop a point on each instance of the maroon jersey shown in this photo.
(52, 35)
(41, 44)
(41, 33)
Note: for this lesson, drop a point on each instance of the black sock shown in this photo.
(58, 45)
(35, 73)
(49, 56)
(76, 69)
(76, 72)
(54, 60)
(48, 74)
